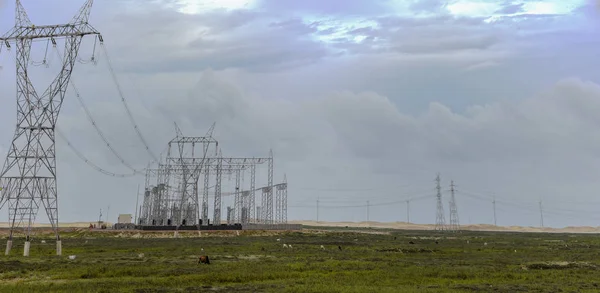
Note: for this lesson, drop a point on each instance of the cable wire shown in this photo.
(131, 119)
(94, 124)
(90, 163)
(364, 205)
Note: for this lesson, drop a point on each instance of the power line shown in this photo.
(131, 119)
(90, 163)
(350, 189)
(361, 205)
(363, 198)
(95, 125)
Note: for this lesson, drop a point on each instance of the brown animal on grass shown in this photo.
(204, 259)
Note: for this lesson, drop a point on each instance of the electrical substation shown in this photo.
(171, 199)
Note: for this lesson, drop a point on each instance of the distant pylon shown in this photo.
(440, 219)
(494, 205)
(541, 215)
(454, 222)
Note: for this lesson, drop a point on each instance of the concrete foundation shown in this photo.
(58, 248)
(176, 234)
(8, 247)
(26, 248)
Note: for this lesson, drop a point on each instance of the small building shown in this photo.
(124, 219)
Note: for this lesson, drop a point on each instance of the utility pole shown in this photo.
(541, 215)
(454, 221)
(494, 204)
(440, 219)
(408, 210)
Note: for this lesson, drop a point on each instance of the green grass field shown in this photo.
(257, 262)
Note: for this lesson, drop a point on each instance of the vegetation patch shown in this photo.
(326, 260)
(559, 265)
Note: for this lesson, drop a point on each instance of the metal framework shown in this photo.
(440, 219)
(28, 178)
(174, 198)
(281, 202)
(454, 222)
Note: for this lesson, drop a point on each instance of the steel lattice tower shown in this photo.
(281, 202)
(284, 200)
(238, 198)
(28, 177)
(252, 204)
(217, 204)
(267, 196)
(205, 195)
(454, 222)
(278, 206)
(440, 219)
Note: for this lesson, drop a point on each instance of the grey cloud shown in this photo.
(399, 22)
(447, 44)
(295, 26)
(510, 8)
(430, 6)
(492, 135)
(429, 35)
(347, 7)
(215, 40)
(260, 53)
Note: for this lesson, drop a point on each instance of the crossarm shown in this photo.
(49, 31)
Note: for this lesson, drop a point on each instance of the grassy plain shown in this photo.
(370, 261)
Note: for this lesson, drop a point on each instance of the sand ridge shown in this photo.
(478, 227)
(386, 225)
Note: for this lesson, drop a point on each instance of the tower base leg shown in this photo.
(176, 234)
(58, 247)
(26, 248)
(8, 247)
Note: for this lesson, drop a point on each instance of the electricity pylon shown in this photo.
(440, 219)
(28, 177)
(454, 222)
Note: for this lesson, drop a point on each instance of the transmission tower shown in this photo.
(494, 205)
(440, 220)
(267, 196)
(408, 211)
(541, 215)
(454, 222)
(281, 200)
(28, 177)
(284, 204)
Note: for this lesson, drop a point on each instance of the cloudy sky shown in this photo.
(359, 100)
